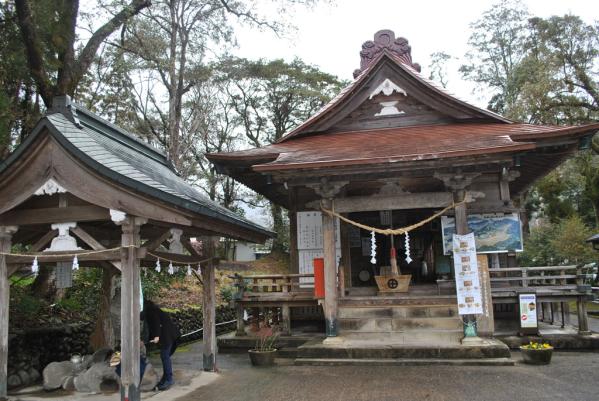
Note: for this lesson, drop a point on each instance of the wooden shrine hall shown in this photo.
(80, 186)
(391, 150)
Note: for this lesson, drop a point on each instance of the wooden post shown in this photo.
(130, 309)
(240, 323)
(286, 312)
(583, 319)
(6, 233)
(330, 271)
(209, 309)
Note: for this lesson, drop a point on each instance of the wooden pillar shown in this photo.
(6, 233)
(345, 268)
(583, 319)
(286, 312)
(293, 251)
(209, 324)
(240, 331)
(130, 309)
(330, 271)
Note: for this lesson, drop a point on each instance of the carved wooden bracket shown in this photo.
(456, 181)
(392, 188)
(6, 232)
(327, 189)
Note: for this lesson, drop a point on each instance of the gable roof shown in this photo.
(124, 159)
(367, 80)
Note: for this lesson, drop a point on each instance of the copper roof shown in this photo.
(393, 145)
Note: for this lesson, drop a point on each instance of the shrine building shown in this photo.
(395, 150)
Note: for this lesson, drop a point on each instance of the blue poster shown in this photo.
(493, 233)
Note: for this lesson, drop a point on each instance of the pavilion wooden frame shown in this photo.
(121, 224)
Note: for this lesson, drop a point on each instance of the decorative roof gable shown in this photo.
(390, 92)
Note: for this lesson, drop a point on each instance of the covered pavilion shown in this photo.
(81, 186)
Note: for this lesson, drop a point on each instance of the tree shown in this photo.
(49, 37)
(543, 71)
(438, 67)
(271, 98)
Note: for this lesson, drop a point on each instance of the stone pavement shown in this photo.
(572, 376)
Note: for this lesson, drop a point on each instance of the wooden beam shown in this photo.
(376, 202)
(91, 241)
(209, 317)
(42, 242)
(5, 244)
(130, 309)
(54, 215)
(156, 242)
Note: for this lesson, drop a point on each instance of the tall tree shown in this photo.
(271, 98)
(543, 71)
(53, 62)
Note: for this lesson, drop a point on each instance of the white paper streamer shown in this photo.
(372, 248)
(188, 270)
(171, 269)
(75, 263)
(158, 268)
(35, 267)
(407, 242)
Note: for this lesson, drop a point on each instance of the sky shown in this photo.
(331, 35)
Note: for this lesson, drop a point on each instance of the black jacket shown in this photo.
(159, 324)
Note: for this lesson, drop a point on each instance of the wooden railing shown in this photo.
(255, 285)
(550, 278)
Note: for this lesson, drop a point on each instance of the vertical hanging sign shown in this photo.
(466, 275)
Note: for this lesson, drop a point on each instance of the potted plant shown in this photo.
(535, 353)
(264, 353)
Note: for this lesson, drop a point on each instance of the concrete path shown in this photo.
(572, 376)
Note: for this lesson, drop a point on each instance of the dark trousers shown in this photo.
(142, 368)
(166, 350)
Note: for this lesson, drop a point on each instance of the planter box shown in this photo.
(393, 282)
(536, 356)
(262, 358)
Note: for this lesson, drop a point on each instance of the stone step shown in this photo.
(399, 311)
(375, 325)
(393, 347)
(403, 362)
(376, 301)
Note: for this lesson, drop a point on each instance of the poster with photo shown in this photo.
(493, 232)
(468, 289)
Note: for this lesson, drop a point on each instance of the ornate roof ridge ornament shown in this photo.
(385, 40)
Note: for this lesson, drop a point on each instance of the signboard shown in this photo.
(310, 243)
(494, 232)
(468, 289)
(528, 313)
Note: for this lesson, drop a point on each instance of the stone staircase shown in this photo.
(400, 331)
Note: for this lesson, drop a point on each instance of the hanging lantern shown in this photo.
(171, 269)
(35, 267)
(408, 258)
(75, 263)
(158, 265)
(188, 270)
(372, 248)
